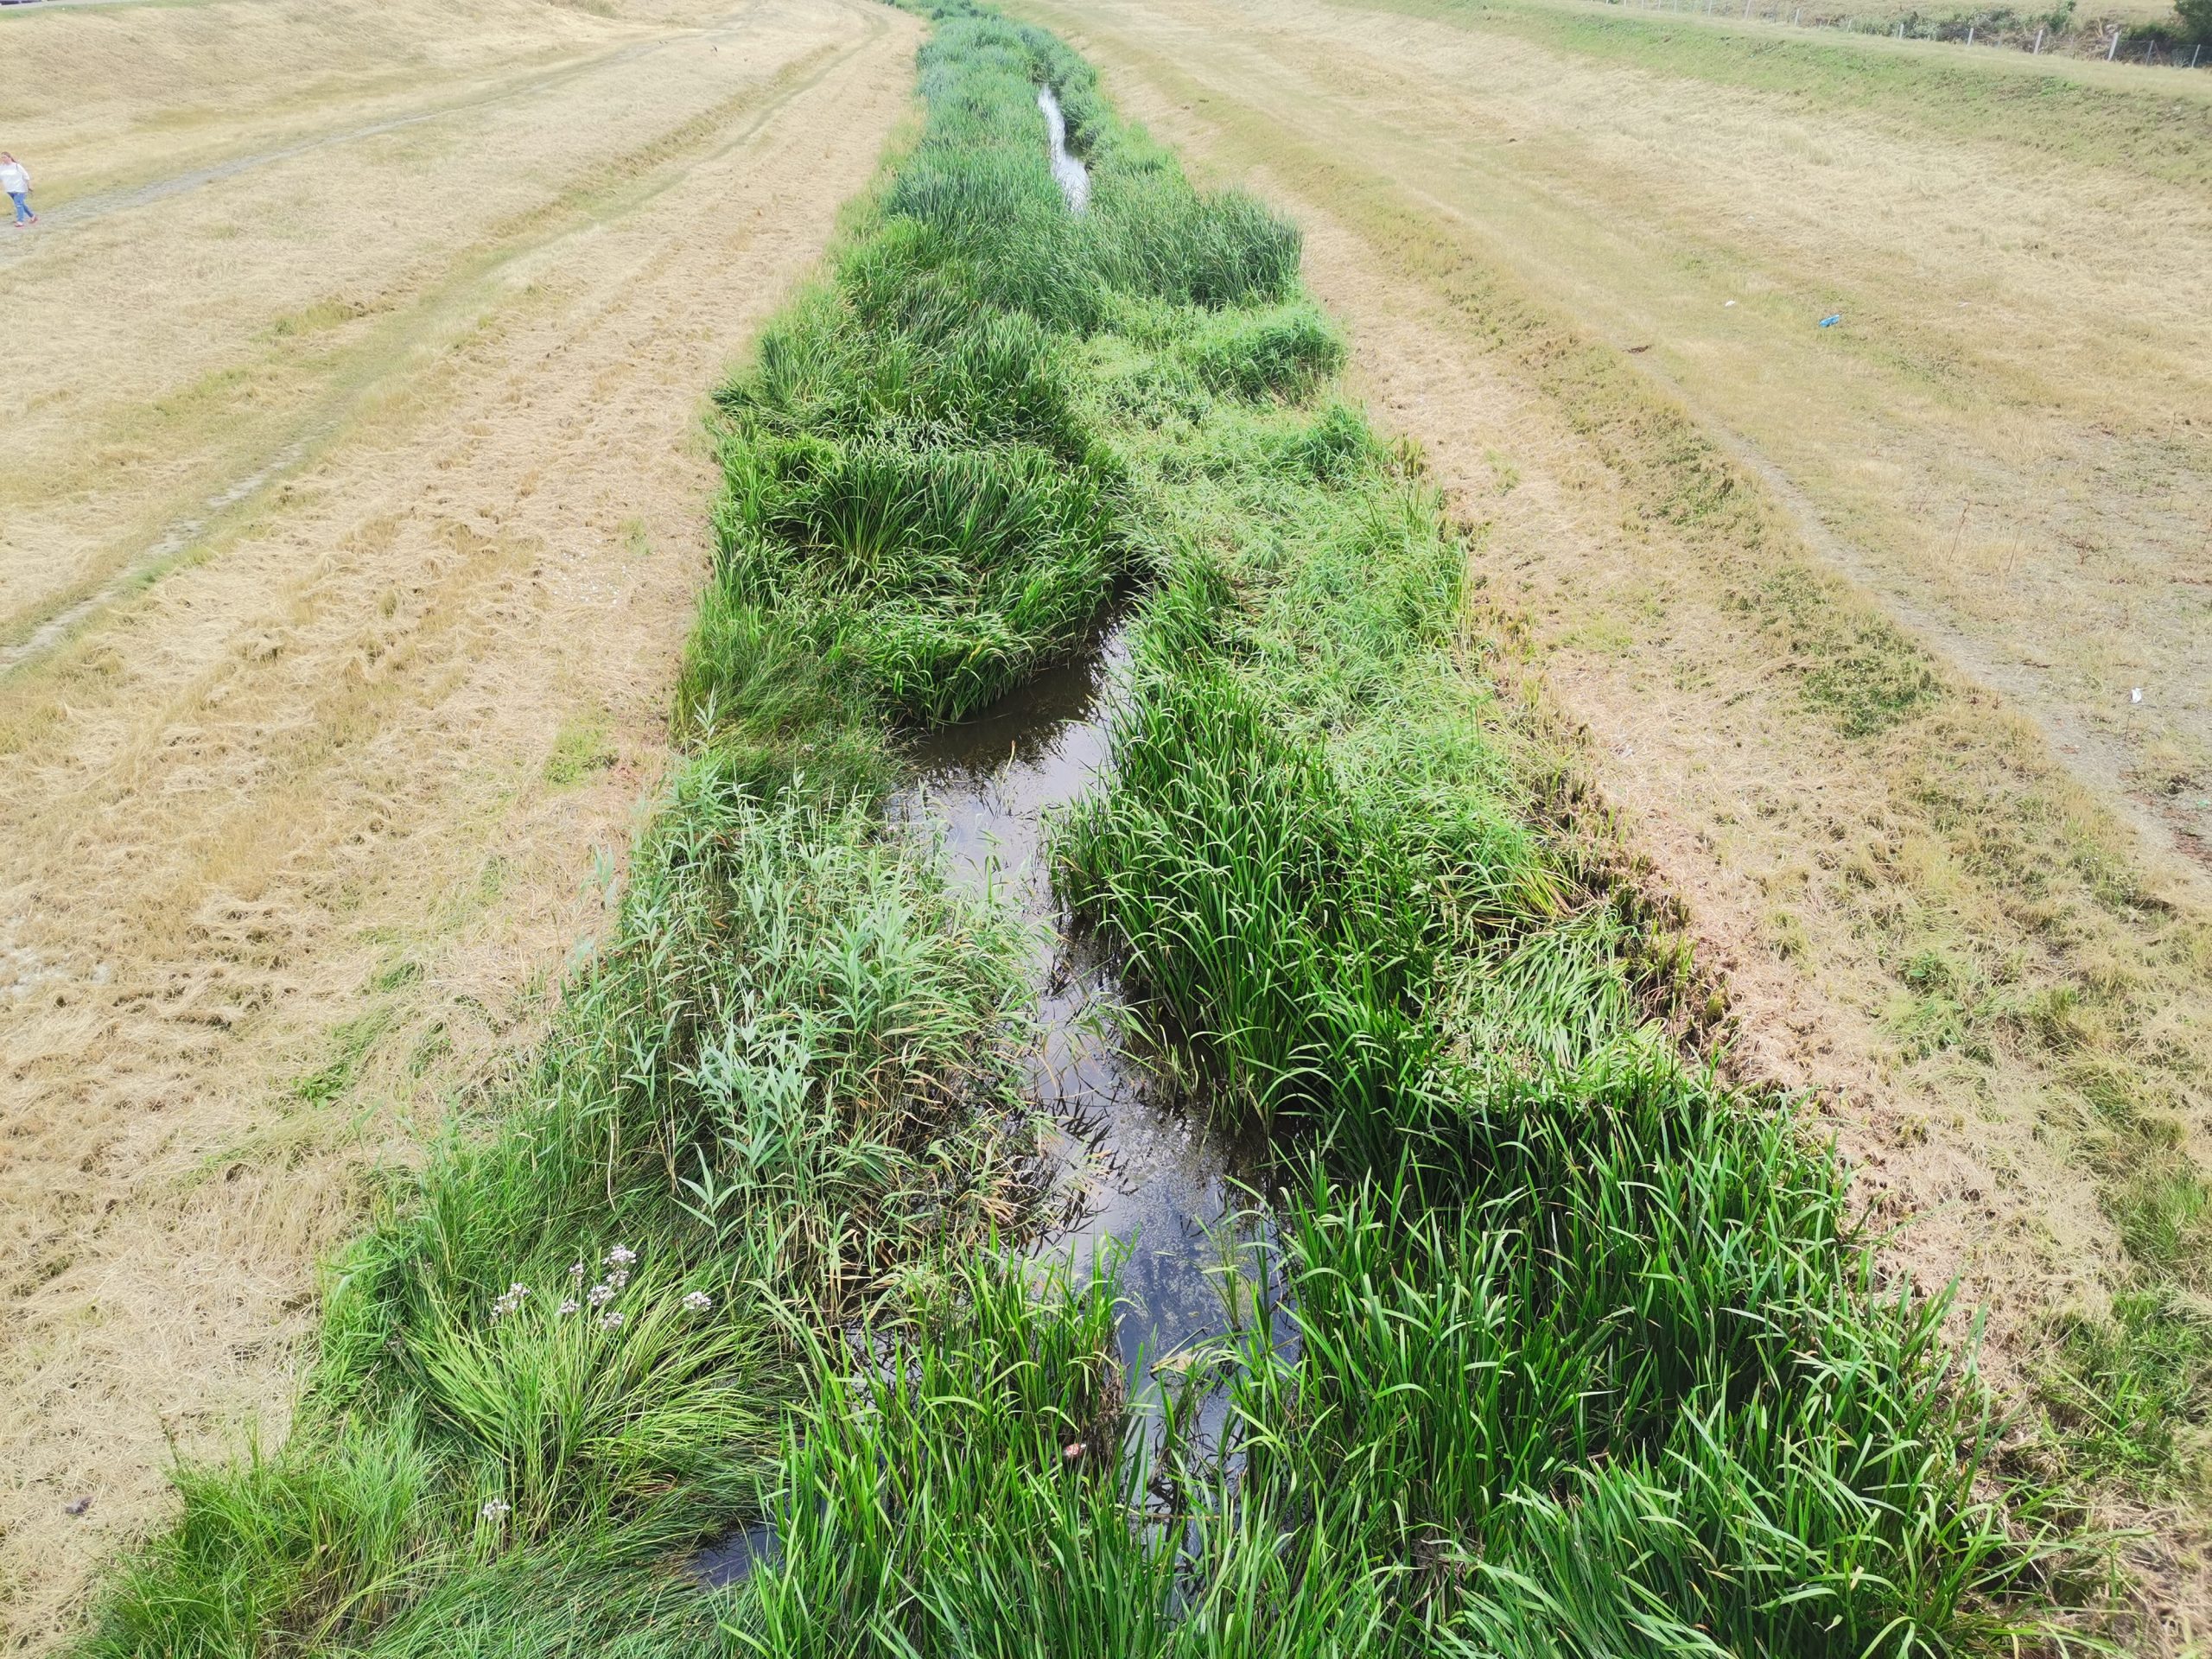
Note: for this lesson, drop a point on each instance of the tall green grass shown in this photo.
(1584, 1356)
(567, 1349)
(565, 1352)
(1573, 1350)
(916, 490)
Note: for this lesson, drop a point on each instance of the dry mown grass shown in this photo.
(300, 836)
(334, 237)
(1944, 875)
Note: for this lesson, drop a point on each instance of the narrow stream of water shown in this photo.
(1136, 1168)
(1139, 1174)
(1074, 176)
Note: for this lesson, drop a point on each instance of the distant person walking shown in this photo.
(16, 181)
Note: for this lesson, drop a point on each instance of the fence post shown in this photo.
(1900, 31)
(1969, 33)
(2115, 46)
(2039, 51)
(2193, 51)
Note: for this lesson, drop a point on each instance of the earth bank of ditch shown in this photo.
(1558, 1344)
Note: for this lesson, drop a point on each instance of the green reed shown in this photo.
(1584, 1356)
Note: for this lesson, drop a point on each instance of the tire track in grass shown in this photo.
(74, 213)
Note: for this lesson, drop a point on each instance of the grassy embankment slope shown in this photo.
(1584, 250)
(2069, 447)
(395, 431)
(302, 822)
(1586, 1359)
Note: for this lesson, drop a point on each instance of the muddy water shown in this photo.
(1139, 1177)
(1138, 1173)
(1074, 177)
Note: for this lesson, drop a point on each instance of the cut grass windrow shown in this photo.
(1583, 1356)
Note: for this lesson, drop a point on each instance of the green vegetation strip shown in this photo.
(1583, 1358)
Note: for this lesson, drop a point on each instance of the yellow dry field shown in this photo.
(353, 500)
(1584, 254)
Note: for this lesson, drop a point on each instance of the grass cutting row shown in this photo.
(1576, 1352)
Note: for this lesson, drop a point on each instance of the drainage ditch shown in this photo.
(1137, 1175)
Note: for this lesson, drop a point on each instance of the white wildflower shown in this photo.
(599, 1295)
(619, 1278)
(576, 1271)
(568, 1305)
(621, 1256)
(698, 1301)
(496, 1510)
(508, 1303)
(611, 1320)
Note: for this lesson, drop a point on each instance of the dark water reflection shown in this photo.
(733, 1558)
(1137, 1165)
(1137, 1172)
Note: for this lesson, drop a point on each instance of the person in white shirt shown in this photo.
(16, 181)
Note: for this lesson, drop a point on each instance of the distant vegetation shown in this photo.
(1588, 1358)
(2057, 29)
(1582, 1359)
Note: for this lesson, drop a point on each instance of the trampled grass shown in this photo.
(1576, 1351)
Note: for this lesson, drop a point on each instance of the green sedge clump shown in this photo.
(917, 488)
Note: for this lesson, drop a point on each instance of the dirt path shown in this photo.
(186, 335)
(300, 837)
(77, 211)
(298, 400)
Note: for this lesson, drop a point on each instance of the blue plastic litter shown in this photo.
(1830, 322)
